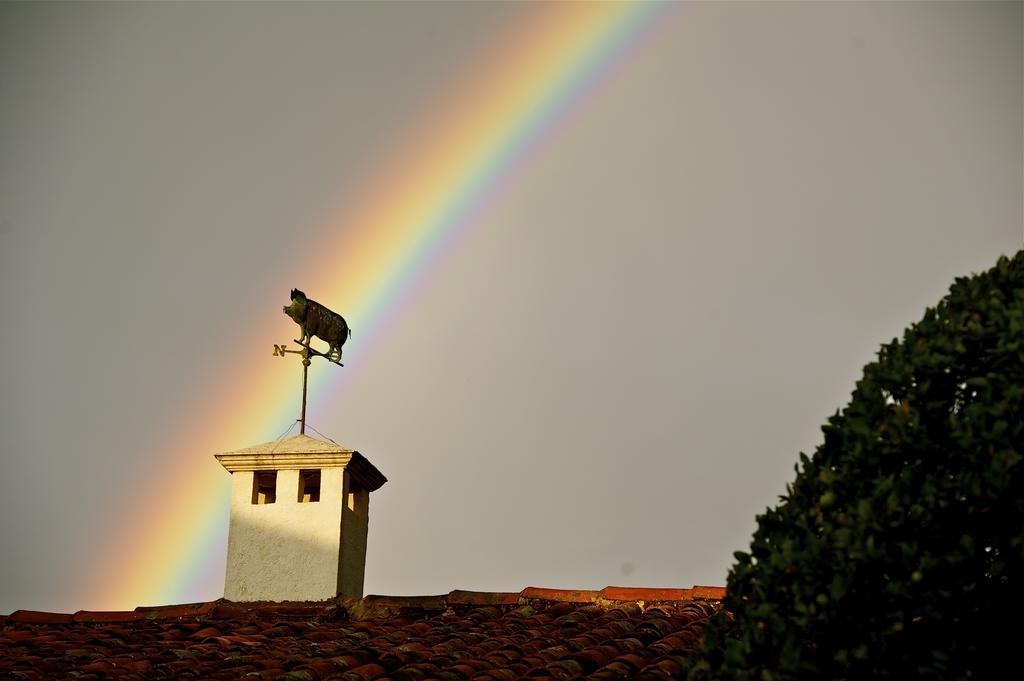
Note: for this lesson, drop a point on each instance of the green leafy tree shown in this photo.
(898, 550)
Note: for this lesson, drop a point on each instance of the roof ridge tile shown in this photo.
(374, 605)
(108, 616)
(40, 617)
(165, 612)
(561, 595)
(427, 602)
(638, 593)
(709, 593)
(462, 597)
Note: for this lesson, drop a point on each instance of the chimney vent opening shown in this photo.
(264, 487)
(309, 486)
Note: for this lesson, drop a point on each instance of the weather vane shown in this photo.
(314, 320)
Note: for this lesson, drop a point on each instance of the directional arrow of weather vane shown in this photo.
(314, 320)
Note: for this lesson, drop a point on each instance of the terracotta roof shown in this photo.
(616, 633)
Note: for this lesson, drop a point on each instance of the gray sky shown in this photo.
(602, 384)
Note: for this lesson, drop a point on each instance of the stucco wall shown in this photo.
(286, 550)
(355, 519)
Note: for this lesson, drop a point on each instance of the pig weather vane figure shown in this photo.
(315, 321)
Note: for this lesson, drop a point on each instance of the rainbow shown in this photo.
(412, 212)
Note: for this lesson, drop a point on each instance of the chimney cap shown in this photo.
(303, 451)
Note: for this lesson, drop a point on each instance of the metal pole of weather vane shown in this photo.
(314, 320)
(305, 375)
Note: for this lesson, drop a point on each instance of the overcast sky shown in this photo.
(603, 383)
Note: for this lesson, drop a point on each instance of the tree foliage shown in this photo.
(897, 552)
